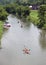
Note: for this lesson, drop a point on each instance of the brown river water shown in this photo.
(15, 39)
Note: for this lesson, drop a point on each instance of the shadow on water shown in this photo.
(43, 39)
(26, 25)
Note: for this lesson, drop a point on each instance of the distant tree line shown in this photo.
(23, 2)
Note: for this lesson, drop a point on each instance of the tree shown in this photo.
(19, 11)
(3, 13)
(42, 16)
(26, 11)
(11, 8)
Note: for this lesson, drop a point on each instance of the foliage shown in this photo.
(42, 16)
(34, 16)
(26, 11)
(20, 10)
(44, 27)
(11, 8)
(22, 2)
(1, 29)
(3, 13)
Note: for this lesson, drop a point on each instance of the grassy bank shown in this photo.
(1, 29)
(34, 16)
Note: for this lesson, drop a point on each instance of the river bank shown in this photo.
(1, 29)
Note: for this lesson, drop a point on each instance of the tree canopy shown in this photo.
(42, 16)
(3, 13)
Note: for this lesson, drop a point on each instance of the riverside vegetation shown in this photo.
(3, 17)
(38, 17)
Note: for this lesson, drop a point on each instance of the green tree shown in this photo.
(19, 10)
(3, 13)
(42, 15)
(26, 11)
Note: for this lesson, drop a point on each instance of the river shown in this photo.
(16, 38)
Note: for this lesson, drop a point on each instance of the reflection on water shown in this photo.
(16, 39)
(43, 39)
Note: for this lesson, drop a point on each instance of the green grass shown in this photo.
(34, 16)
(1, 29)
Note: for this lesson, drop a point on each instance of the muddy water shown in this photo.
(17, 38)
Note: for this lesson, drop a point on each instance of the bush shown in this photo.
(42, 16)
(3, 13)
